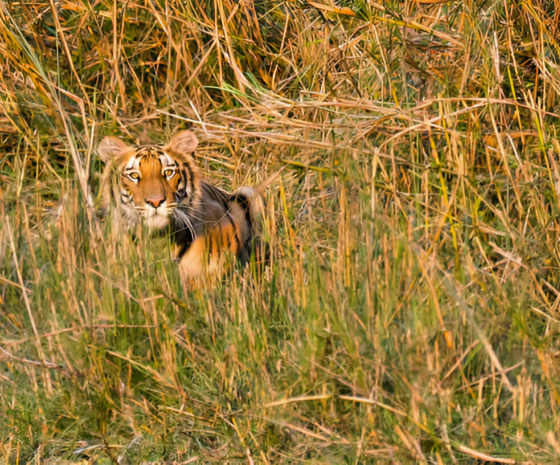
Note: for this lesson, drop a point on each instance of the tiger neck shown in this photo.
(187, 225)
(197, 214)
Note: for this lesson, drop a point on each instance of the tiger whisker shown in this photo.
(183, 219)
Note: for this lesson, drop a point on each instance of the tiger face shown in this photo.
(153, 180)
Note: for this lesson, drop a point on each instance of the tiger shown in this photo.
(160, 186)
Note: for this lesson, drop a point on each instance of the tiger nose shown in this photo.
(155, 201)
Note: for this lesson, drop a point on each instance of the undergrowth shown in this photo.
(410, 312)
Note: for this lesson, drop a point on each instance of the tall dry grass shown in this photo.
(411, 309)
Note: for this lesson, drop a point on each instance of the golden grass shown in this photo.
(411, 309)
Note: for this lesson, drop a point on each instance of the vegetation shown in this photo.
(410, 312)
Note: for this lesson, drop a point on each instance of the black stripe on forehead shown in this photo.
(156, 152)
(148, 151)
(140, 154)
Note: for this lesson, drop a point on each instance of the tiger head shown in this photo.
(153, 179)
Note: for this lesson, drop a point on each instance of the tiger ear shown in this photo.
(182, 143)
(109, 148)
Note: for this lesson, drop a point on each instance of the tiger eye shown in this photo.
(134, 175)
(169, 173)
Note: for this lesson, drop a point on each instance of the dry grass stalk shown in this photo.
(411, 308)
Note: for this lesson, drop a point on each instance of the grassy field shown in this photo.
(411, 310)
